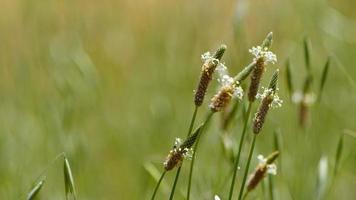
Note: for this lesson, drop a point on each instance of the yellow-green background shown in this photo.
(111, 84)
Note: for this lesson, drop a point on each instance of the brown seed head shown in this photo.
(256, 79)
(206, 76)
(221, 99)
(261, 114)
(256, 177)
(174, 158)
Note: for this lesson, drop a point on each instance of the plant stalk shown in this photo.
(247, 166)
(239, 150)
(194, 154)
(157, 186)
(192, 121)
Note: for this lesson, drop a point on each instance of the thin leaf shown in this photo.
(307, 54)
(35, 190)
(277, 145)
(338, 153)
(323, 77)
(289, 78)
(69, 181)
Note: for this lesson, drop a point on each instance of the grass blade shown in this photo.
(338, 153)
(69, 181)
(289, 78)
(323, 78)
(35, 190)
(307, 54)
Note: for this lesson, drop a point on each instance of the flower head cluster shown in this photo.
(299, 97)
(259, 52)
(271, 168)
(210, 62)
(265, 166)
(177, 154)
(276, 102)
(230, 88)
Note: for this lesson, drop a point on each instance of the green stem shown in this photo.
(239, 151)
(247, 166)
(194, 152)
(179, 168)
(158, 183)
(271, 187)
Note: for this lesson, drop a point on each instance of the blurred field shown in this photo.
(111, 84)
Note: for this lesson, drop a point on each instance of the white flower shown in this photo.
(261, 159)
(178, 142)
(268, 56)
(276, 103)
(271, 168)
(188, 153)
(216, 197)
(238, 92)
(308, 98)
(206, 56)
(221, 69)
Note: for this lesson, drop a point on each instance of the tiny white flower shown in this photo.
(297, 97)
(188, 153)
(178, 142)
(221, 69)
(272, 169)
(308, 98)
(216, 197)
(206, 56)
(268, 56)
(277, 102)
(261, 159)
(238, 92)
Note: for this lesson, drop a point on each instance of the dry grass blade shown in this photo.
(69, 181)
(35, 190)
(323, 77)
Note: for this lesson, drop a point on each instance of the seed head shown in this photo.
(269, 99)
(181, 150)
(256, 79)
(208, 68)
(265, 166)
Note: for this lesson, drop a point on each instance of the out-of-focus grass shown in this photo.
(111, 83)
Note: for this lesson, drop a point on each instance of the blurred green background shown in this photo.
(111, 84)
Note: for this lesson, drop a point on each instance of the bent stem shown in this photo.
(239, 150)
(247, 166)
(178, 171)
(194, 152)
(157, 186)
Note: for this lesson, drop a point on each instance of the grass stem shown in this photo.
(192, 121)
(247, 166)
(239, 150)
(194, 154)
(157, 186)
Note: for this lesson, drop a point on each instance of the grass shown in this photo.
(111, 84)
